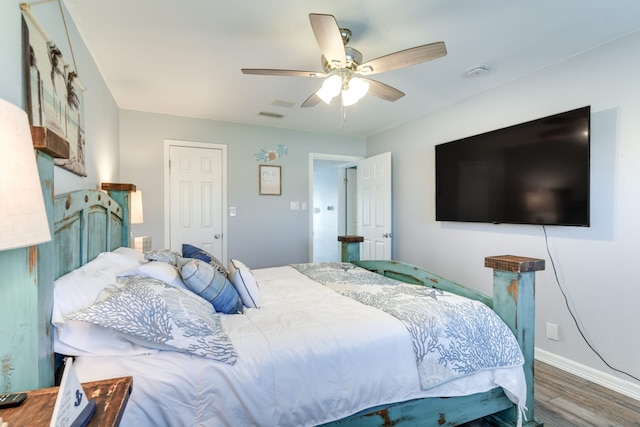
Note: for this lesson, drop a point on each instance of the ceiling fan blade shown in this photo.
(383, 91)
(403, 58)
(329, 39)
(274, 72)
(311, 101)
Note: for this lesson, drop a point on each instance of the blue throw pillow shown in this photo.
(206, 281)
(190, 251)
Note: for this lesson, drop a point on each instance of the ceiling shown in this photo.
(184, 58)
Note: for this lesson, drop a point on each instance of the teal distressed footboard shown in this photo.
(513, 300)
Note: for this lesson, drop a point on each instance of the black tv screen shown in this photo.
(531, 173)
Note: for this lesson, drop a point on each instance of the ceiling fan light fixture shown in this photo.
(341, 63)
(330, 88)
(357, 89)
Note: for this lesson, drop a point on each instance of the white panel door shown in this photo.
(374, 206)
(196, 199)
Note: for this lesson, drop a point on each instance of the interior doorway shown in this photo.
(195, 200)
(333, 204)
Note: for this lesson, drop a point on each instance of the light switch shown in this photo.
(303, 206)
(232, 211)
(295, 206)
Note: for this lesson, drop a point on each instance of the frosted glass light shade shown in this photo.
(137, 216)
(23, 217)
(330, 88)
(357, 89)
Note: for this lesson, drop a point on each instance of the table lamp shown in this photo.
(23, 217)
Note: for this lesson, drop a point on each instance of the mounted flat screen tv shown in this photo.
(531, 173)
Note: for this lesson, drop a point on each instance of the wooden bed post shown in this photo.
(514, 302)
(350, 247)
(26, 357)
(121, 193)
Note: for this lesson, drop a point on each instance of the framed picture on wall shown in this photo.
(270, 180)
(54, 93)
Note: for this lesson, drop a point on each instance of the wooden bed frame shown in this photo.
(514, 301)
(88, 222)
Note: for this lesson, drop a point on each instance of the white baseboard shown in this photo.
(606, 380)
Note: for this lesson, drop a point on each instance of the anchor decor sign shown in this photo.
(72, 407)
(54, 93)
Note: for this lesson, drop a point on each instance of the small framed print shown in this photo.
(270, 180)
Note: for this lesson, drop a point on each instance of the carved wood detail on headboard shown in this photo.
(86, 222)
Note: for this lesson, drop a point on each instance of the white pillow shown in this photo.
(130, 252)
(234, 265)
(123, 260)
(157, 270)
(79, 289)
(245, 283)
(77, 338)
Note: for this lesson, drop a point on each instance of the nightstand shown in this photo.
(111, 398)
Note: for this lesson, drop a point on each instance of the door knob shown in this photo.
(387, 235)
(217, 236)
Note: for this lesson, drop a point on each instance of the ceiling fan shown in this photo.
(344, 70)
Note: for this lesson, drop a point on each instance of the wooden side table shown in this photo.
(111, 398)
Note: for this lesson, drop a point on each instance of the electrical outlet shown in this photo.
(552, 332)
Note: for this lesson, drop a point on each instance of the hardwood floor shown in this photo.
(565, 400)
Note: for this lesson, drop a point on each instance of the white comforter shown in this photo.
(306, 357)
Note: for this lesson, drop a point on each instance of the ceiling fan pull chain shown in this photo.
(343, 114)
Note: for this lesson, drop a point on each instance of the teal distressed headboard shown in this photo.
(86, 223)
(83, 224)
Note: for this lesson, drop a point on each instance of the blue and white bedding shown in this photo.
(307, 356)
(452, 336)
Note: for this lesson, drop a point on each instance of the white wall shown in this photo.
(596, 266)
(265, 232)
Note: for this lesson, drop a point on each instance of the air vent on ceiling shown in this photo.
(271, 115)
(280, 103)
(480, 70)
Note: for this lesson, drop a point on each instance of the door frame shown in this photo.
(322, 156)
(167, 186)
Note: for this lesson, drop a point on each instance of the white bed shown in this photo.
(307, 356)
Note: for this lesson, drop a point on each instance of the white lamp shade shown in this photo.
(137, 216)
(23, 217)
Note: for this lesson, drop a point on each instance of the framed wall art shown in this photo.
(54, 94)
(270, 180)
